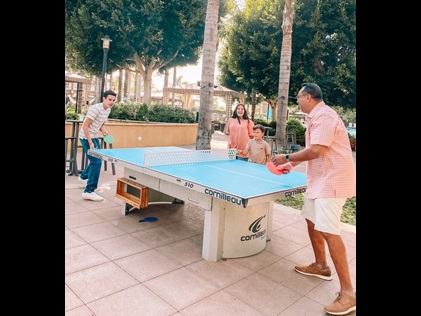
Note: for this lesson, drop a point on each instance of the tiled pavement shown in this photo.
(115, 265)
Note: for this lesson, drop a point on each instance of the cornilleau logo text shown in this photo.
(255, 229)
(294, 192)
(223, 196)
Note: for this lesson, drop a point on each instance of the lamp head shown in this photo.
(106, 41)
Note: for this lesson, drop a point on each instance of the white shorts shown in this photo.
(324, 213)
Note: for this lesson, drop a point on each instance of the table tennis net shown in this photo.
(188, 157)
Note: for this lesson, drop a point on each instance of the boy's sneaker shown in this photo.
(92, 196)
(82, 182)
(313, 270)
(342, 305)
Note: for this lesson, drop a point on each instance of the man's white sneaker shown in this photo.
(82, 183)
(92, 196)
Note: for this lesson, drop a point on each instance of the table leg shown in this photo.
(213, 231)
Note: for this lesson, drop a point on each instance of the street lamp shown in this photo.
(105, 45)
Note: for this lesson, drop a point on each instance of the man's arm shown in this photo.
(103, 130)
(308, 153)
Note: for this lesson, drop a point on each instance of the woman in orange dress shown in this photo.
(240, 130)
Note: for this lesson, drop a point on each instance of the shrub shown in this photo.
(142, 113)
(72, 116)
(124, 110)
(261, 122)
(299, 130)
(155, 113)
(165, 113)
(353, 142)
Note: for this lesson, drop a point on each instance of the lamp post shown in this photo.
(105, 45)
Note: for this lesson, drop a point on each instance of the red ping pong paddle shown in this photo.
(274, 169)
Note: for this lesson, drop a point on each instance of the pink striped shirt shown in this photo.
(333, 174)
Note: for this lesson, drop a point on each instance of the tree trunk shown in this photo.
(146, 71)
(204, 133)
(273, 112)
(126, 85)
(284, 74)
(253, 104)
(98, 93)
(147, 84)
(79, 98)
(174, 84)
(110, 83)
(120, 85)
(165, 95)
(138, 88)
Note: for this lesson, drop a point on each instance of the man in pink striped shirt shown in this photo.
(331, 179)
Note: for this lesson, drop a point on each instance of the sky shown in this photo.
(191, 74)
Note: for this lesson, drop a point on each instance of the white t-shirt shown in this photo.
(99, 116)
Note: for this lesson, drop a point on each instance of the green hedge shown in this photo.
(153, 113)
(299, 128)
(134, 111)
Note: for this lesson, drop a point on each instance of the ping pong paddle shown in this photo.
(148, 219)
(108, 139)
(274, 169)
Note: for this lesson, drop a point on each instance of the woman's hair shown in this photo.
(234, 114)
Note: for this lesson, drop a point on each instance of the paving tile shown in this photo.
(115, 265)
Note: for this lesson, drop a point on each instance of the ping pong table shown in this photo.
(237, 196)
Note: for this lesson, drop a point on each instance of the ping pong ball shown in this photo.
(139, 138)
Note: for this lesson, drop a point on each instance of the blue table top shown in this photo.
(234, 177)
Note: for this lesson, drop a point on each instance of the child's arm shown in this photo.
(268, 154)
(245, 151)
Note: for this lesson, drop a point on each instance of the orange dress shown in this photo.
(239, 134)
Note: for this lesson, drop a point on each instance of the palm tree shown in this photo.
(284, 73)
(204, 133)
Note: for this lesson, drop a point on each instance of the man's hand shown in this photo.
(286, 166)
(279, 159)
